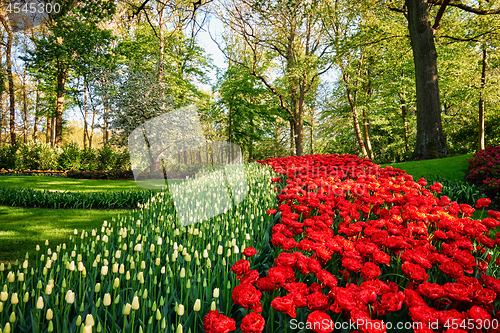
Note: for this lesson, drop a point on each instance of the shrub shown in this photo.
(37, 155)
(105, 158)
(88, 159)
(8, 157)
(70, 157)
(95, 174)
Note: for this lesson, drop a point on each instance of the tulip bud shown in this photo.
(14, 299)
(39, 303)
(89, 320)
(107, 299)
(197, 305)
(50, 314)
(135, 303)
(126, 309)
(180, 310)
(70, 297)
(104, 270)
(212, 306)
(4, 295)
(216, 293)
(12, 317)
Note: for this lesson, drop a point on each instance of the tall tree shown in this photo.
(8, 53)
(75, 37)
(290, 33)
(431, 141)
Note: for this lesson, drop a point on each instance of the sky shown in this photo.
(212, 30)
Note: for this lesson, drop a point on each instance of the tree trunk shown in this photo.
(85, 115)
(431, 142)
(49, 131)
(106, 124)
(10, 78)
(357, 130)
(1, 107)
(299, 134)
(61, 81)
(311, 131)
(481, 130)
(161, 37)
(292, 135)
(366, 134)
(52, 132)
(37, 114)
(25, 110)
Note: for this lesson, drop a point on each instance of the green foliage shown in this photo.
(26, 197)
(247, 113)
(88, 159)
(458, 190)
(37, 155)
(112, 159)
(8, 156)
(70, 157)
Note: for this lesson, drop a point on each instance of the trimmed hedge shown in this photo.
(111, 174)
(26, 197)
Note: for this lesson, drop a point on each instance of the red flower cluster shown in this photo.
(366, 241)
(484, 169)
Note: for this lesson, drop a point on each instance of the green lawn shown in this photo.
(451, 168)
(21, 229)
(68, 184)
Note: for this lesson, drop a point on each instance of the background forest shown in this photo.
(301, 77)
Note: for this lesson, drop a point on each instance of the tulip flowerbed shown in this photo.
(364, 249)
(23, 172)
(140, 273)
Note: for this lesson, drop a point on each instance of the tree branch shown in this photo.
(141, 7)
(470, 9)
(439, 15)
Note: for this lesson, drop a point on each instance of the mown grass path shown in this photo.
(66, 184)
(21, 229)
(450, 168)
